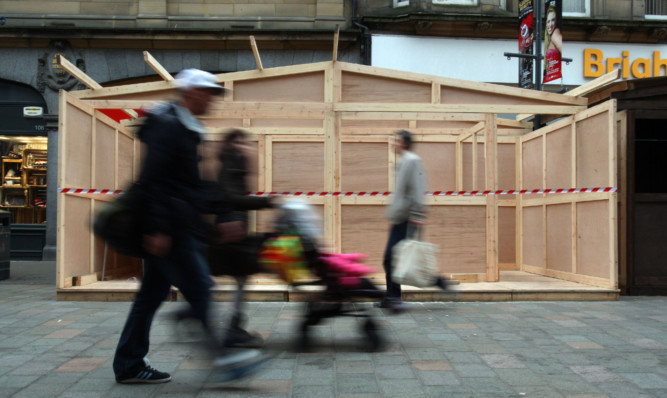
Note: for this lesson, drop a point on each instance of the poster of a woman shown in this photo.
(553, 42)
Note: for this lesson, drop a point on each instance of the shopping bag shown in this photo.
(414, 263)
(119, 223)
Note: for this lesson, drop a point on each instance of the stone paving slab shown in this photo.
(562, 349)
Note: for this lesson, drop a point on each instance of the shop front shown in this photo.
(483, 60)
(23, 147)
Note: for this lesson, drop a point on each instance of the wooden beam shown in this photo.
(335, 44)
(457, 108)
(78, 73)
(583, 89)
(595, 84)
(471, 131)
(153, 63)
(85, 79)
(255, 52)
(83, 280)
(293, 108)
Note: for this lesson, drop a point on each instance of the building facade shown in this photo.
(106, 40)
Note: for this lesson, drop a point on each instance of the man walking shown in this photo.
(174, 199)
(405, 212)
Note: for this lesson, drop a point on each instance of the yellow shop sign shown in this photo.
(595, 64)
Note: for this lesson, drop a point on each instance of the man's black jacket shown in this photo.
(175, 196)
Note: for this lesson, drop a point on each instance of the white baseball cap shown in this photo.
(195, 78)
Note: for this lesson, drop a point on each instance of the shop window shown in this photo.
(656, 9)
(576, 8)
(23, 189)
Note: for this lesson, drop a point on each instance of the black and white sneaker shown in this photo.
(144, 375)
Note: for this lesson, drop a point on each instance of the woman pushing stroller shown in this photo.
(239, 259)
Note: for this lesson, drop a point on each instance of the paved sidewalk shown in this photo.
(518, 349)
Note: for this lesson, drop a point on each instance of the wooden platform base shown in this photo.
(513, 286)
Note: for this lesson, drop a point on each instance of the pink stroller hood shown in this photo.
(343, 265)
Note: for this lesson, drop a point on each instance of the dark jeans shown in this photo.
(397, 233)
(185, 268)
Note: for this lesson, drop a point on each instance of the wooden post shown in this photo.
(255, 51)
(613, 200)
(335, 44)
(157, 67)
(519, 204)
(491, 183)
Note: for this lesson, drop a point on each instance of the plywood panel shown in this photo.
(507, 166)
(466, 151)
(223, 123)
(367, 88)
(105, 156)
(444, 124)
(298, 166)
(78, 150)
(456, 95)
(365, 230)
(77, 242)
(306, 87)
(532, 164)
(559, 158)
(364, 166)
(440, 163)
(593, 151)
(460, 231)
(126, 172)
(593, 239)
(507, 235)
(533, 236)
(559, 237)
(274, 123)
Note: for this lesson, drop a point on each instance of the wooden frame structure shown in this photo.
(327, 127)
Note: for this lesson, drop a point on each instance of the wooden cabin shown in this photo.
(326, 128)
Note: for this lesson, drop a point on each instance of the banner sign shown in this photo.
(526, 36)
(553, 40)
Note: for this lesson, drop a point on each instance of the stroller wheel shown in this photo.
(375, 342)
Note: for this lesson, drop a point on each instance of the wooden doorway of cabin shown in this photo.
(647, 207)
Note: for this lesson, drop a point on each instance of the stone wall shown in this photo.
(177, 14)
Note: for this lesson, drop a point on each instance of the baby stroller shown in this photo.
(293, 253)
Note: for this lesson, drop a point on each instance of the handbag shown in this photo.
(237, 258)
(414, 262)
(119, 223)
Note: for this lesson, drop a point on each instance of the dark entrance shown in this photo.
(646, 102)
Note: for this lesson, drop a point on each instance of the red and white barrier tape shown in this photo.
(433, 193)
(90, 191)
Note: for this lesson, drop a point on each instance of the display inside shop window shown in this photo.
(24, 171)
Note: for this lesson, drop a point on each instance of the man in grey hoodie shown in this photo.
(405, 212)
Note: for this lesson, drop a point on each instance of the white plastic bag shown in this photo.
(414, 263)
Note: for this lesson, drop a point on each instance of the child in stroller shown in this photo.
(293, 251)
